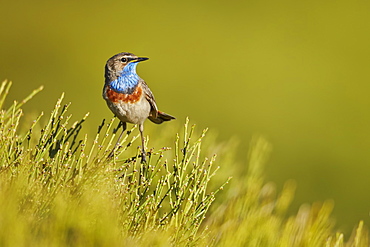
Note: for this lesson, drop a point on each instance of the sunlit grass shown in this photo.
(59, 188)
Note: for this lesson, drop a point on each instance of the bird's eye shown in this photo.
(123, 60)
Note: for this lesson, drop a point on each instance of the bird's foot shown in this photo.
(143, 158)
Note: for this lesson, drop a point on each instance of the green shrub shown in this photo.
(59, 188)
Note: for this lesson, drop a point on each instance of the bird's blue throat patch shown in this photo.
(127, 81)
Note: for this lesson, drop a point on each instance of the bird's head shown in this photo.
(122, 64)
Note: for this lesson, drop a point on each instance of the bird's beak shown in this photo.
(139, 59)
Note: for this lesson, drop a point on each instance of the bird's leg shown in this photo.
(143, 156)
(124, 125)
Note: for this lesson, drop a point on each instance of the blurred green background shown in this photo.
(294, 71)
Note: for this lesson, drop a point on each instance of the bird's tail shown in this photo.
(161, 117)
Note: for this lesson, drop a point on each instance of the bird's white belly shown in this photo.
(134, 113)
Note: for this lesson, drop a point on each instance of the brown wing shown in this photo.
(150, 97)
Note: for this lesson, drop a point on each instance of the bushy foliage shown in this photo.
(61, 188)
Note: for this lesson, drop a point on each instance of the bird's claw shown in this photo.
(143, 158)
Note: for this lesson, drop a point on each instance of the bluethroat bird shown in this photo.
(129, 97)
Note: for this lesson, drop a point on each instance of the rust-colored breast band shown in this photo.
(115, 97)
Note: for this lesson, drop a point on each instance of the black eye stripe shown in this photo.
(126, 59)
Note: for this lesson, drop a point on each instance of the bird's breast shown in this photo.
(116, 97)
